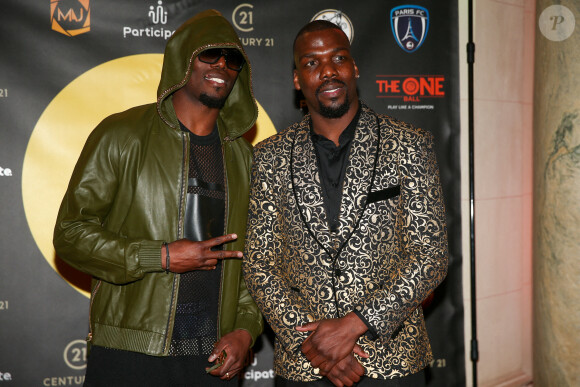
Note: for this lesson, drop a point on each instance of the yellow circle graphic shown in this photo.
(61, 132)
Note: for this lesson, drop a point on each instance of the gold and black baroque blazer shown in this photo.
(395, 243)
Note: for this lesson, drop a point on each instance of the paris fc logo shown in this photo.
(409, 24)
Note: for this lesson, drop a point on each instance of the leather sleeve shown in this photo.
(80, 236)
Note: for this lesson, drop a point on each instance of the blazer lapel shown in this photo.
(357, 179)
(307, 186)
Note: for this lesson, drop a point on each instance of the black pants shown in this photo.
(111, 367)
(414, 380)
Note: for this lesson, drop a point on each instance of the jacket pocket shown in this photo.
(384, 194)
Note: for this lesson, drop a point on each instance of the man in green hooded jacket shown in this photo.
(156, 212)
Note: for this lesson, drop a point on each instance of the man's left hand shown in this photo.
(236, 345)
(332, 340)
(347, 372)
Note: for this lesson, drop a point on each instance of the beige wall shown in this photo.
(504, 68)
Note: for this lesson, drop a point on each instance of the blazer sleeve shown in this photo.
(423, 256)
(280, 305)
(248, 316)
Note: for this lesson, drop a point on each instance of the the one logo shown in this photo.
(70, 17)
(339, 18)
(410, 24)
(158, 15)
(411, 88)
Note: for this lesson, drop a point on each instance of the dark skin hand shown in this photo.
(236, 344)
(332, 340)
(186, 255)
(346, 372)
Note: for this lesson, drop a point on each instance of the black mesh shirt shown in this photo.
(196, 319)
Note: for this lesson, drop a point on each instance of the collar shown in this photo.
(201, 140)
(347, 134)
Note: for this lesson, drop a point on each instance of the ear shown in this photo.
(356, 73)
(296, 82)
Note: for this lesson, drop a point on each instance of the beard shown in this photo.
(333, 111)
(212, 102)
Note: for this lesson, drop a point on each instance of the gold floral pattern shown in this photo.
(394, 253)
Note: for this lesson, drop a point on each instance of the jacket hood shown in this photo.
(205, 30)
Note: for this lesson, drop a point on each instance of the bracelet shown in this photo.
(166, 257)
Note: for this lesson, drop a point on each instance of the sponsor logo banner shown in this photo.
(5, 172)
(410, 88)
(410, 24)
(157, 15)
(339, 18)
(70, 18)
(5, 376)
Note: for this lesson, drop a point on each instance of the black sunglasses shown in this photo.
(234, 59)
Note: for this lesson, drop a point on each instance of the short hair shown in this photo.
(316, 25)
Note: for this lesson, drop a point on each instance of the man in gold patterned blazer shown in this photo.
(346, 231)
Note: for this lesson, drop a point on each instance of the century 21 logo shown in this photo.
(70, 17)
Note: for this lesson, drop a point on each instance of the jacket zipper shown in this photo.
(93, 294)
(226, 213)
(185, 145)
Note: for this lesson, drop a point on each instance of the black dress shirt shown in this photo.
(332, 163)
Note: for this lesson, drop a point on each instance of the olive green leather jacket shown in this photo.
(126, 197)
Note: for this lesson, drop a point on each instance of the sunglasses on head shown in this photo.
(234, 59)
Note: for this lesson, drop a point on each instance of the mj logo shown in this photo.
(409, 24)
(70, 17)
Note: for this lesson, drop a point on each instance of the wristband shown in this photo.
(167, 256)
